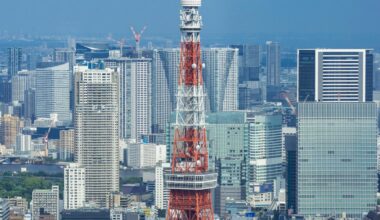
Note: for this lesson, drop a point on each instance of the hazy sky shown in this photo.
(229, 17)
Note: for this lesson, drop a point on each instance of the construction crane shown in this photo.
(120, 42)
(286, 97)
(137, 37)
(45, 139)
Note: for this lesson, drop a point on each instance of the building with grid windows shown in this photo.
(74, 186)
(331, 75)
(45, 202)
(97, 131)
(135, 75)
(336, 159)
(221, 78)
(53, 92)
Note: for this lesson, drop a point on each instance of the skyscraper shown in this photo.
(273, 63)
(14, 61)
(22, 81)
(228, 143)
(97, 130)
(332, 75)
(221, 78)
(337, 128)
(135, 75)
(164, 86)
(161, 193)
(249, 62)
(337, 162)
(264, 162)
(53, 92)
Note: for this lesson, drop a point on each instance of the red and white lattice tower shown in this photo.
(190, 182)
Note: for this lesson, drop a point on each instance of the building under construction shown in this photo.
(190, 182)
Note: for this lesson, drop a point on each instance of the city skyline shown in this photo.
(118, 110)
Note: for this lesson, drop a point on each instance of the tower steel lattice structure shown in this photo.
(190, 182)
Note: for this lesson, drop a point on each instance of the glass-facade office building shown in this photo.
(337, 159)
(331, 75)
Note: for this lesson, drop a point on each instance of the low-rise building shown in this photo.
(45, 201)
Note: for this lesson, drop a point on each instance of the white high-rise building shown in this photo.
(135, 75)
(161, 194)
(22, 81)
(45, 201)
(53, 92)
(164, 86)
(23, 143)
(97, 130)
(142, 155)
(265, 150)
(74, 186)
(221, 78)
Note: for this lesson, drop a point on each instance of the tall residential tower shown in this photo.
(97, 131)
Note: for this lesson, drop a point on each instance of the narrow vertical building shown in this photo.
(135, 75)
(66, 144)
(14, 61)
(74, 186)
(97, 130)
(273, 64)
(165, 71)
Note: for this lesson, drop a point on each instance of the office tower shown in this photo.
(22, 81)
(53, 92)
(135, 96)
(336, 158)
(10, 126)
(141, 155)
(273, 63)
(164, 86)
(97, 130)
(5, 89)
(249, 62)
(290, 142)
(250, 95)
(161, 193)
(4, 209)
(221, 78)
(45, 202)
(66, 144)
(331, 75)
(23, 143)
(74, 186)
(190, 182)
(227, 134)
(14, 61)
(29, 104)
(265, 149)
